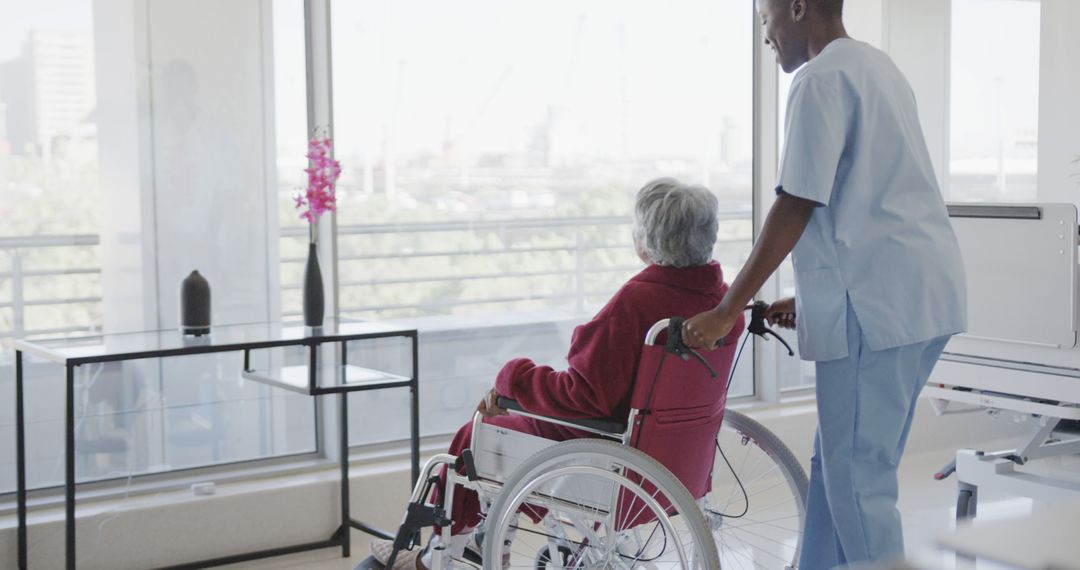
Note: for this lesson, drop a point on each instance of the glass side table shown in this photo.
(314, 379)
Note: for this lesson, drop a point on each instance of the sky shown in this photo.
(673, 70)
(19, 16)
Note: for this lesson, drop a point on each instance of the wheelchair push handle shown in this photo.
(757, 325)
(676, 346)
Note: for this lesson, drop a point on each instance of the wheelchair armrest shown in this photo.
(604, 427)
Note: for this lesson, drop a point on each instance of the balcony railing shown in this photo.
(20, 272)
(583, 251)
(577, 240)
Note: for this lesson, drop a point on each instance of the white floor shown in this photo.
(927, 505)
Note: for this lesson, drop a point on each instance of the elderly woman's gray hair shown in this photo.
(674, 223)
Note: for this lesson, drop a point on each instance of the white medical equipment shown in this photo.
(1020, 352)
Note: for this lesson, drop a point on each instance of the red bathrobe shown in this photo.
(603, 360)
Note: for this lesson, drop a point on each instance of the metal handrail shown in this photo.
(576, 271)
(460, 225)
(18, 245)
(15, 246)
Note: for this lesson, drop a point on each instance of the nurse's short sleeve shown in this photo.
(815, 134)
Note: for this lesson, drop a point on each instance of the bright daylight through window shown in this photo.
(131, 137)
(994, 106)
(487, 193)
(486, 197)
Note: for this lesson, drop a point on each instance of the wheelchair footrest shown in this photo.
(417, 516)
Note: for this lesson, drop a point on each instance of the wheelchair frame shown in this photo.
(487, 478)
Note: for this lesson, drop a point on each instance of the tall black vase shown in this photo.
(313, 289)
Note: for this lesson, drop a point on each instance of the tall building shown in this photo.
(49, 91)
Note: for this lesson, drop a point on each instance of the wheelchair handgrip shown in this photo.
(606, 426)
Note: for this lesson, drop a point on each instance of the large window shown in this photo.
(994, 108)
(491, 154)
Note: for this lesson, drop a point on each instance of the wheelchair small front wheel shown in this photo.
(591, 503)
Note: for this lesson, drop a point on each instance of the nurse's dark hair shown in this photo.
(831, 8)
(675, 224)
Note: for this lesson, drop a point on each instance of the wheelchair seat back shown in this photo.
(680, 406)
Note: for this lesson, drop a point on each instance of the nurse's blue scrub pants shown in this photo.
(865, 405)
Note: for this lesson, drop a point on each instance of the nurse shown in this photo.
(879, 279)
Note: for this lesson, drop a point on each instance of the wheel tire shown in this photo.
(565, 453)
(790, 467)
(770, 444)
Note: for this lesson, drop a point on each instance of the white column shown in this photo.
(183, 128)
(128, 275)
(210, 186)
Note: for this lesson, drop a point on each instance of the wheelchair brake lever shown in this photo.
(757, 325)
(676, 346)
(701, 359)
(781, 339)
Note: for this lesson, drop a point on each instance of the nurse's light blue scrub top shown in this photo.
(881, 236)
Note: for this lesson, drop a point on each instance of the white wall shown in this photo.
(864, 20)
(1059, 95)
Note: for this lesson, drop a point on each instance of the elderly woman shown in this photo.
(674, 232)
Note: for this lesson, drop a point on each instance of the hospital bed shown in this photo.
(1019, 355)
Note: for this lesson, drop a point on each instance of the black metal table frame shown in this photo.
(340, 537)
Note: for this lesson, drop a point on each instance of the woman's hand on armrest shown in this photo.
(488, 408)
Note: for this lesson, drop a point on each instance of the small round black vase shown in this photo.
(314, 305)
(194, 305)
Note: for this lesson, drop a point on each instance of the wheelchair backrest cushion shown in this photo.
(682, 407)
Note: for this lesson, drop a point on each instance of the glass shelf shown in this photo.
(329, 378)
(150, 344)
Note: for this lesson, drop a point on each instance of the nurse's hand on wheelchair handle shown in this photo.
(781, 313)
(489, 406)
(708, 329)
(777, 312)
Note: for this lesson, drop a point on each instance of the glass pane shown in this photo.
(486, 193)
(123, 166)
(995, 100)
(291, 137)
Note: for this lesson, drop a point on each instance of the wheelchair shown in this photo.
(629, 495)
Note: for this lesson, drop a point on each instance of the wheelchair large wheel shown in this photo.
(592, 503)
(757, 524)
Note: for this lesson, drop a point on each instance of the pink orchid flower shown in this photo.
(322, 174)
